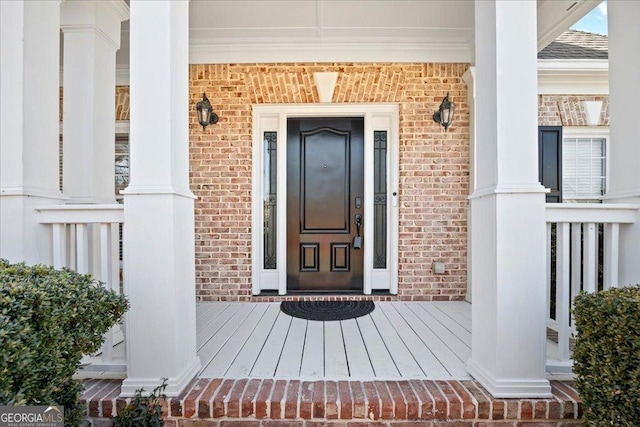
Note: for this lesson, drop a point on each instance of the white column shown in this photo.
(91, 38)
(159, 217)
(29, 108)
(624, 107)
(469, 78)
(507, 206)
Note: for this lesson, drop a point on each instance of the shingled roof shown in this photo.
(574, 44)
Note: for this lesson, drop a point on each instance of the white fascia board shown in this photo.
(573, 77)
(209, 53)
(208, 46)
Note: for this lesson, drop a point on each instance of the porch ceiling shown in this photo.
(237, 31)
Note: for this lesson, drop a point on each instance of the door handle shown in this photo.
(357, 241)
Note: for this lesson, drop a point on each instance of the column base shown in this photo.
(509, 388)
(174, 384)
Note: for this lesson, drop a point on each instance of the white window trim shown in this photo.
(268, 118)
(591, 132)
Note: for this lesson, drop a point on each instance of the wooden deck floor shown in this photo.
(398, 340)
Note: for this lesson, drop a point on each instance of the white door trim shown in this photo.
(273, 118)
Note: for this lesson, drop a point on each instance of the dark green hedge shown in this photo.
(48, 320)
(607, 356)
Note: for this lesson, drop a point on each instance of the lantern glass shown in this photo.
(204, 111)
(444, 115)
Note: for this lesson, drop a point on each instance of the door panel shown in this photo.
(325, 175)
(324, 170)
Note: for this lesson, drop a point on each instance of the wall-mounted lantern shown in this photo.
(206, 116)
(444, 115)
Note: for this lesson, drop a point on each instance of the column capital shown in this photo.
(101, 17)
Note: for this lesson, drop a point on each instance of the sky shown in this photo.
(595, 21)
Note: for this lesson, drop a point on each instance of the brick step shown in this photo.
(288, 403)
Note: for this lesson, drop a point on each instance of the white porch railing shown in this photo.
(575, 232)
(86, 239)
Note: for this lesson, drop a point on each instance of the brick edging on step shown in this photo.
(384, 402)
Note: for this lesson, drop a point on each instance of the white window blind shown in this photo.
(583, 168)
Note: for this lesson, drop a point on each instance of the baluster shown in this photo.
(115, 256)
(549, 271)
(117, 330)
(563, 289)
(590, 260)
(59, 246)
(82, 249)
(576, 262)
(105, 275)
(73, 265)
(611, 248)
(105, 255)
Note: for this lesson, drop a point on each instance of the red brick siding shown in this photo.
(567, 110)
(122, 102)
(434, 167)
(265, 402)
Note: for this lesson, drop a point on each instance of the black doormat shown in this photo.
(327, 310)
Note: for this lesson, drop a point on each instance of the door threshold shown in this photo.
(270, 293)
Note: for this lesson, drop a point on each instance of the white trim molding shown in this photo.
(273, 118)
(174, 384)
(212, 51)
(573, 77)
(510, 389)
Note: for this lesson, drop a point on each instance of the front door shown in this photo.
(325, 203)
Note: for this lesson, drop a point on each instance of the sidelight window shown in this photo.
(380, 199)
(270, 180)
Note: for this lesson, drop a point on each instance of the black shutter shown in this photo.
(550, 161)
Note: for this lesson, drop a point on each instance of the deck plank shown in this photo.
(397, 340)
(267, 361)
(456, 315)
(313, 355)
(445, 356)
(335, 357)
(213, 325)
(291, 357)
(421, 353)
(203, 308)
(405, 362)
(453, 326)
(381, 360)
(211, 347)
(357, 356)
(248, 355)
(461, 307)
(221, 362)
(460, 349)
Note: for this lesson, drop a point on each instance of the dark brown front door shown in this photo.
(325, 193)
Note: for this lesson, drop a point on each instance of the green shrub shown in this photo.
(607, 356)
(143, 411)
(48, 320)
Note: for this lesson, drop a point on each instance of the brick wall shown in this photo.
(434, 167)
(567, 110)
(122, 102)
